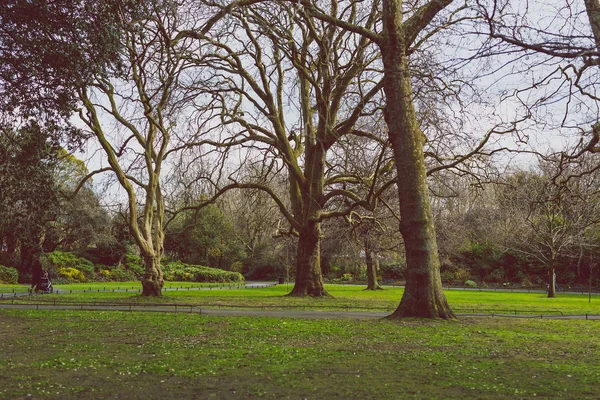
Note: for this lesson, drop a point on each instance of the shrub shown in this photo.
(480, 258)
(105, 274)
(71, 274)
(122, 275)
(105, 253)
(448, 276)
(394, 271)
(8, 275)
(462, 274)
(135, 264)
(496, 276)
(470, 284)
(57, 260)
(178, 271)
(237, 266)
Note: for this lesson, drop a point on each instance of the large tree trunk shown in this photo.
(27, 254)
(309, 281)
(552, 283)
(152, 282)
(423, 295)
(593, 11)
(372, 263)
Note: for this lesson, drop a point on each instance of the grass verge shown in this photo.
(97, 355)
(350, 297)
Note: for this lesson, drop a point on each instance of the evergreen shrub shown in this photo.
(57, 260)
(70, 275)
(135, 264)
(8, 275)
(122, 275)
(178, 271)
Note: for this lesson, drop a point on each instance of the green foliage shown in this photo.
(8, 275)
(57, 260)
(447, 276)
(116, 274)
(120, 274)
(27, 197)
(135, 264)
(178, 271)
(70, 274)
(392, 271)
(496, 276)
(109, 253)
(237, 266)
(470, 284)
(479, 258)
(211, 241)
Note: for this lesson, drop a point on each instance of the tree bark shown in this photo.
(593, 11)
(423, 295)
(27, 254)
(152, 282)
(580, 260)
(372, 263)
(552, 283)
(309, 280)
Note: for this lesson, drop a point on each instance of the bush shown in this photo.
(260, 272)
(8, 275)
(448, 277)
(480, 258)
(393, 272)
(105, 253)
(496, 276)
(121, 275)
(70, 275)
(55, 261)
(470, 284)
(237, 266)
(462, 274)
(135, 264)
(178, 271)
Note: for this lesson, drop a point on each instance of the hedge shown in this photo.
(8, 275)
(178, 271)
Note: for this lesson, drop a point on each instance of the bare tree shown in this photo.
(134, 115)
(556, 47)
(546, 221)
(289, 87)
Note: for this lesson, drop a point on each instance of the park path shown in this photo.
(256, 312)
(290, 313)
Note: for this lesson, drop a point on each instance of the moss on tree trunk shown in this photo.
(423, 296)
(309, 280)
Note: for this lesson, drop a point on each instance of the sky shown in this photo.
(501, 91)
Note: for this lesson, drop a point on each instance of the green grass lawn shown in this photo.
(98, 355)
(462, 301)
(4, 288)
